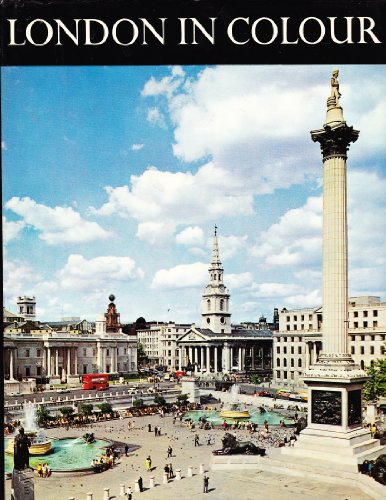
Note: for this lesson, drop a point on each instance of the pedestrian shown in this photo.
(159, 430)
(129, 493)
(171, 472)
(126, 449)
(196, 440)
(155, 431)
(206, 484)
(174, 419)
(140, 484)
(149, 427)
(148, 463)
(166, 470)
(170, 452)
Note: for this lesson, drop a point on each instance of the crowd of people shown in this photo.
(43, 470)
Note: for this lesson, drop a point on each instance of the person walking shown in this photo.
(170, 452)
(149, 427)
(171, 472)
(129, 493)
(206, 484)
(126, 449)
(140, 484)
(196, 440)
(148, 463)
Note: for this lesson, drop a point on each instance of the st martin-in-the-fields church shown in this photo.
(216, 347)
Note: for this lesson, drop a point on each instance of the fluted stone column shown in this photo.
(208, 359)
(215, 359)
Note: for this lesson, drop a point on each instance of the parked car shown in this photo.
(63, 391)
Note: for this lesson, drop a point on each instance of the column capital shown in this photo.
(335, 141)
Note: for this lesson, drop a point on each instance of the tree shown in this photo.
(255, 379)
(376, 386)
(67, 411)
(159, 400)
(42, 415)
(182, 399)
(141, 354)
(106, 408)
(138, 403)
(85, 410)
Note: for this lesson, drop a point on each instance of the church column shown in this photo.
(68, 361)
(48, 362)
(231, 357)
(57, 361)
(252, 358)
(240, 359)
(203, 358)
(64, 359)
(11, 364)
(208, 359)
(180, 358)
(99, 357)
(76, 360)
(215, 359)
(314, 353)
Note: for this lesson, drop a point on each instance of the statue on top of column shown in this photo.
(335, 86)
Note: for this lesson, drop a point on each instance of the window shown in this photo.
(94, 352)
(310, 317)
(284, 350)
(169, 353)
(352, 349)
(288, 318)
(84, 369)
(208, 304)
(38, 353)
(371, 349)
(125, 351)
(292, 339)
(292, 362)
(27, 353)
(278, 349)
(292, 350)
(288, 328)
(299, 363)
(355, 314)
(285, 375)
(310, 327)
(85, 353)
(362, 350)
(107, 352)
(375, 324)
(39, 371)
(27, 371)
(355, 324)
(295, 318)
(365, 324)
(375, 313)
(277, 361)
(300, 349)
(302, 317)
(295, 327)
(221, 304)
(278, 374)
(365, 313)
(285, 362)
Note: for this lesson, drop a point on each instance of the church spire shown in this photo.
(216, 314)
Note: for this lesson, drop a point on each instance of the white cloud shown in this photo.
(275, 289)
(57, 225)
(241, 280)
(166, 85)
(181, 276)
(306, 299)
(191, 236)
(155, 117)
(80, 273)
(295, 240)
(231, 245)
(176, 198)
(11, 229)
(136, 147)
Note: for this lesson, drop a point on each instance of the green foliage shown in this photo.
(89, 437)
(182, 398)
(105, 408)
(85, 410)
(141, 355)
(159, 400)
(138, 403)
(376, 386)
(42, 415)
(67, 411)
(255, 379)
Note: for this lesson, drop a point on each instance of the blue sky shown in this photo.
(113, 178)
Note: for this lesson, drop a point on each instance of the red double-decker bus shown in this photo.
(98, 381)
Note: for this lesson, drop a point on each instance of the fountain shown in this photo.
(235, 410)
(40, 444)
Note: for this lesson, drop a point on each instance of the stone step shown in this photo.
(368, 445)
(371, 454)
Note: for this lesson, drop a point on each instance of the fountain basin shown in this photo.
(40, 444)
(215, 418)
(69, 456)
(234, 414)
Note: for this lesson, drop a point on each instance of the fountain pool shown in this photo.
(215, 418)
(68, 455)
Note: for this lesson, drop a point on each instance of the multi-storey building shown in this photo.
(36, 351)
(299, 340)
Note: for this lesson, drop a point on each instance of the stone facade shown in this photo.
(298, 341)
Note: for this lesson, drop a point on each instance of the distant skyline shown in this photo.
(114, 177)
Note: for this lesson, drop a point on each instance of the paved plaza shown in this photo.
(243, 485)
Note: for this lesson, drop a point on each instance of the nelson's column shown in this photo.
(334, 435)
